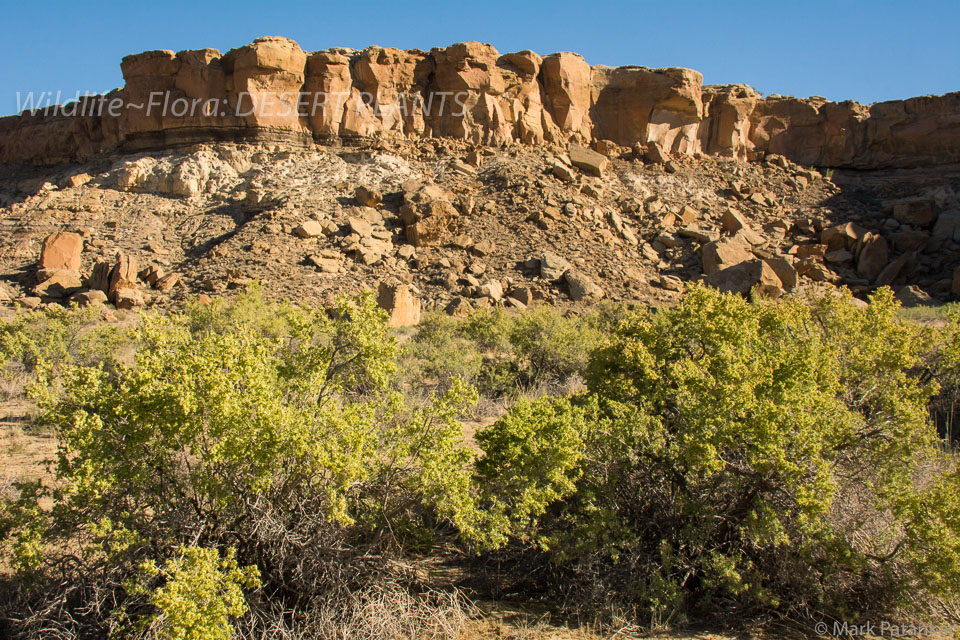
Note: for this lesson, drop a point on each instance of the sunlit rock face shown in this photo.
(272, 90)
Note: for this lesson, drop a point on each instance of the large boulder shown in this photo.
(581, 287)
(726, 252)
(427, 212)
(399, 302)
(587, 160)
(61, 251)
(552, 266)
(742, 278)
(873, 257)
(61, 284)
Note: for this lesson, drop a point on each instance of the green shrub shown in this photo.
(287, 445)
(194, 596)
(56, 336)
(738, 457)
(500, 353)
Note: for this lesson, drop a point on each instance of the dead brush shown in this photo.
(385, 610)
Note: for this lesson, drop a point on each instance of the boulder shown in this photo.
(100, 276)
(784, 269)
(123, 275)
(167, 282)
(726, 252)
(308, 229)
(890, 272)
(919, 213)
(427, 213)
(61, 251)
(128, 298)
(742, 278)
(399, 302)
(587, 160)
(492, 290)
(368, 197)
(88, 298)
(842, 236)
(59, 285)
(360, 227)
(914, 296)
(563, 172)
(735, 223)
(655, 154)
(581, 287)
(873, 257)
(552, 266)
(947, 227)
(524, 295)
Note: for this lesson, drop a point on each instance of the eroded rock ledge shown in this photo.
(272, 90)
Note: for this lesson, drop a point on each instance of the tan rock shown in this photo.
(581, 287)
(587, 160)
(399, 302)
(752, 275)
(167, 282)
(724, 253)
(523, 295)
(688, 215)
(873, 257)
(100, 276)
(59, 285)
(492, 290)
(126, 298)
(459, 307)
(842, 236)
(61, 251)
(367, 196)
(655, 154)
(308, 229)
(784, 269)
(359, 226)
(552, 266)
(563, 172)
(88, 298)
(77, 180)
(123, 275)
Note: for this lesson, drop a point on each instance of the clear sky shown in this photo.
(841, 49)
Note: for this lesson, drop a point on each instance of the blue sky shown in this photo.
(866, 51)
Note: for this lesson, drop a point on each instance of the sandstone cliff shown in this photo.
(272, 90)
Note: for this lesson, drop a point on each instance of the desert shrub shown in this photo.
(731, 458)
(285, 445)
(56, 336)
(503, 354)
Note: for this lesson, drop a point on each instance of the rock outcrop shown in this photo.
(272, 90)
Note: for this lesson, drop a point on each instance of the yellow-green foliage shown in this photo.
(726, 458)
(56, 336)
(197, 596)
(268, 428)
(762, 443)
(503, 353)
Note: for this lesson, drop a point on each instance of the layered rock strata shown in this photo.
(272, 90)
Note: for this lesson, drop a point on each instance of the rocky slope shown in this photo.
(273, 91)
(445, 224)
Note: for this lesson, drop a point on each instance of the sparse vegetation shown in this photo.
(251, 469)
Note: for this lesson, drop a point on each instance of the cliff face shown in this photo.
(274, 91)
